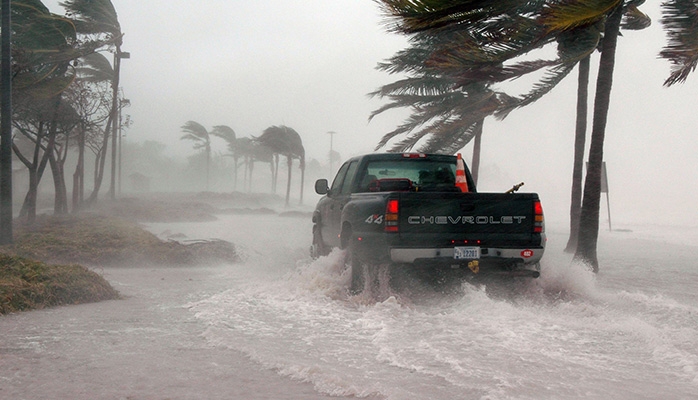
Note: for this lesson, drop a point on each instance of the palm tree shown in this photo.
(251, 152)
(589, 216)
(228, 134)
(554, 20)
(450, 73)
(98, 18)
(93, 72)
(445, 116)
(196, 132)
(285, 141)
(633, 20)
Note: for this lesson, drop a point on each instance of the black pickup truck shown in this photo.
(423, 210)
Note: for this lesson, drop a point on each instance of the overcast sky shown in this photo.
(309, 64)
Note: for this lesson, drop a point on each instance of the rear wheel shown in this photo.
(358, 269)
(318, 248)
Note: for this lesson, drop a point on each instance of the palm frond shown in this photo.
(680, 18)
(634, 19)
(95, 68)
(224, 132)
(195, 131)
(564, 15)
(93, 16)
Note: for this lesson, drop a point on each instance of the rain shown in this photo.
(277, 324)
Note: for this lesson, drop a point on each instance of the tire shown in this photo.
(357, 267)
(318, 248)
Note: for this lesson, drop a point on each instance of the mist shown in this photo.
(279, 324)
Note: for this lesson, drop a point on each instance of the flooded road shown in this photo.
(146, 346)
(279, 325)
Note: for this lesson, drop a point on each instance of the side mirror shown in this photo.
(322, 186)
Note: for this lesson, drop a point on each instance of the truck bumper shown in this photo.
(445, 255)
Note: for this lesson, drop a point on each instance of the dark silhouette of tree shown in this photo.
(196, 132)
(89, 96)
(43, 47)
(98, 20)
(285, 141)
(589, 217)
(228, 135)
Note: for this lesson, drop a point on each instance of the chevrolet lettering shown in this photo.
(422, 212)
(464, 219)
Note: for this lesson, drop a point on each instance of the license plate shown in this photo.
(466, 253)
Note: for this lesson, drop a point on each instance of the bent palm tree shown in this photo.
(196, 132)
(98, 18)
(552, 20)
(285, 141)
(228, 134)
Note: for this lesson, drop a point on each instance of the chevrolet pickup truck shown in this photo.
(423, 211)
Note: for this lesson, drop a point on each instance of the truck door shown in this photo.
(338, 197)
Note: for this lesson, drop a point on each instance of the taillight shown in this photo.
(538, 226)
(414, 155)
(391, 215)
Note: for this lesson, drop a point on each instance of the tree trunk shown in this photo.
(579, 145)
(589, 217)
(288, 183)
(475, 166)
(235, 172)
(36, 171)
(302, 179)
(113, 117)
(79, 174)
(60, 203)
(28, 209)
(208, 166)
(99, 162)
(275, 174)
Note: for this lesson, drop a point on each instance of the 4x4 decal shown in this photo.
(374, 219)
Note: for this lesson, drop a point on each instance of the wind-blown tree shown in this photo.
(568, 15)
(90, 97)
(228, 135)
(445, 115)
(633, 19)
(196, 132)
(556, 19)
(97, 20)
(285, 141)
(452, 73)
(251, 152)
(680, 20)
(43, 47)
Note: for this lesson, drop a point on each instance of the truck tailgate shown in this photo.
(492, 218)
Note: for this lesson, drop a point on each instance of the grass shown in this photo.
(28, 285)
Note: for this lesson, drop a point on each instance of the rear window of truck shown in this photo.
(422, 174)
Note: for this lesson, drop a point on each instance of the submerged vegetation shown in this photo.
(27, 285)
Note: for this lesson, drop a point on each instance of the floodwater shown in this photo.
(282, 326)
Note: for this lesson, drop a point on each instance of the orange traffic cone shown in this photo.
(461, 182)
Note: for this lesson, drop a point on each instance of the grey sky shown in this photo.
(309, 64)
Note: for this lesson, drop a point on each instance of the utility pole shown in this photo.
(118, 56)
(122, 103)
(6, 234)
(331, 133)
